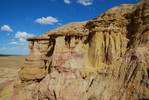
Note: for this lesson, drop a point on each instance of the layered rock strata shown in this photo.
(106, 58)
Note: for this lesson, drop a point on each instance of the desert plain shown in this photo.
(9, 67)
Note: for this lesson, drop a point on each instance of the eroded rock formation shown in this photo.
(106, 58)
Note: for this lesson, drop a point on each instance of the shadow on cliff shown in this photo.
(52, 49)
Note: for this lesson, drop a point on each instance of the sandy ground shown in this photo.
(9, 67)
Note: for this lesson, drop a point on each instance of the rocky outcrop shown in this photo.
(106, 58)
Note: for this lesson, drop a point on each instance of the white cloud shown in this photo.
(59, 23)
(21, 48)
(15, 43)
(67, 1)
(23, 35)
(48, 20)
(22, 40)
(85, 2)
(6, 28)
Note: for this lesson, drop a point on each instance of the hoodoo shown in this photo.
(106, 58)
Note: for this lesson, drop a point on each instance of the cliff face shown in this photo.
(106, 58)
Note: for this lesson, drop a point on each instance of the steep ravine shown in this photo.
(106, 58)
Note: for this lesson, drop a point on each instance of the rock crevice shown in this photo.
(105, 58)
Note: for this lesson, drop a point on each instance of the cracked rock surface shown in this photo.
(106, 58)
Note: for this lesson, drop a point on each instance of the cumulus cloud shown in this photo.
(6, 28)
(85, 2)
(67, 1)
(14, 43)
(23, 35)
(22, 40)
(46, 20)
(59, 23)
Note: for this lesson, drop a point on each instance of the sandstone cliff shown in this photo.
(106, 58)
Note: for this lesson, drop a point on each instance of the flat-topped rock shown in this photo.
(106, 58)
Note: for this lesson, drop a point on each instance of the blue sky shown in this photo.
(20, 19)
